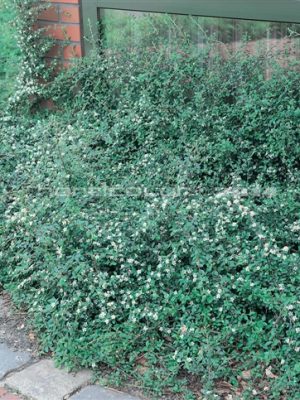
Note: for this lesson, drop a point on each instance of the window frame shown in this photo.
(258, 10)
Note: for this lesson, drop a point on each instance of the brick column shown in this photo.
(63, 23)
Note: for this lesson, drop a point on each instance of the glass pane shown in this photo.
(131, 29)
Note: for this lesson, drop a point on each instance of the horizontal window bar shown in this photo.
(263, 10)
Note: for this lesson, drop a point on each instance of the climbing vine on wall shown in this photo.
(34, 72)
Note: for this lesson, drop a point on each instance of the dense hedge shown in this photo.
(152, 223)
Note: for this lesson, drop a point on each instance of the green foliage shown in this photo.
(152, 223)
(9, 52)
(22, 64)
(33, 71)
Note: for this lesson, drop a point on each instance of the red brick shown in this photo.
(9, 396)
(69, 14)
(66, 1)
(62, 22)
(68, 64)
(64, 32)
(55, 52)
(49, 14)
(72, 51)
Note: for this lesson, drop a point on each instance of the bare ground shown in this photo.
(14, 330)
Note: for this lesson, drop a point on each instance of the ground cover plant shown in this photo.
(151, 223)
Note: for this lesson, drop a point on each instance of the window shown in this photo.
(129, 23)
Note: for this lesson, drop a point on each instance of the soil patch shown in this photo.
(14, 329)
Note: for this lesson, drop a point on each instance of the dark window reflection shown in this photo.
(125, 29)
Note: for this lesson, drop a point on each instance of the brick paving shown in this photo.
(5, 395)
(42, 381)
(11, 360)
(34, 379)
(99, 393)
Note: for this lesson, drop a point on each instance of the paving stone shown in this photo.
(42, 381)
(10, 360)
(9, 396)
(5, 395)
(99, 393)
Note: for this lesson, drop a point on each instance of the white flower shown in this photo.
(59, 252)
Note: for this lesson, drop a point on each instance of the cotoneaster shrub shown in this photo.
(31, 72)
(152, 223)
(9, 53)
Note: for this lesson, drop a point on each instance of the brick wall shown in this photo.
(63, 23)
